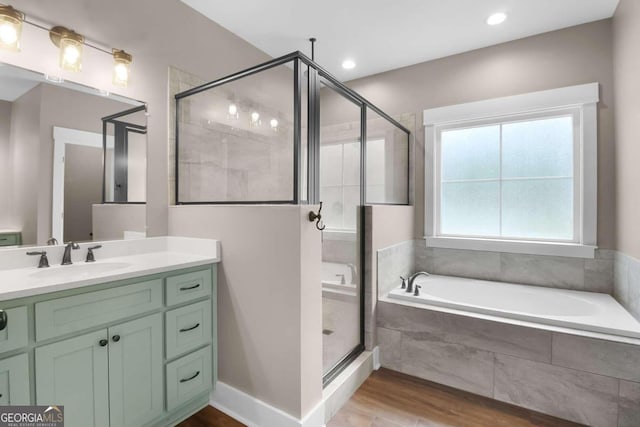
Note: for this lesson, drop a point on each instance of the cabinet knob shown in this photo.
(115, 338)
(103, 342)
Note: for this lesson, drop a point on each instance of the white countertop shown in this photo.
(116, 260)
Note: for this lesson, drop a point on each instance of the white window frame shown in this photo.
(579, 100)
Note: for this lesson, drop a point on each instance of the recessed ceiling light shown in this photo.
(348, 64)
(496, 18)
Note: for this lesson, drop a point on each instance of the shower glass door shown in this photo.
(340, 190)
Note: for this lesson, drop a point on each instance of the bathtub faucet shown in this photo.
(413, 278)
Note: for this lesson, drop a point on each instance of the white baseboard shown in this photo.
(256, 413)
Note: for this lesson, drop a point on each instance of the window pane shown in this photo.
(540, 208)
(351, 203)
(351, 164)
(538, 148)
(470, 208)
(332, 206)
(472, 153)
(331, 160)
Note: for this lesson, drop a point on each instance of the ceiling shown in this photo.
(381, 35)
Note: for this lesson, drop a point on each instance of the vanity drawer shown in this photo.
(14, 380)
(10, 239)
(189, 286)
(188, 377)
(75, 313)
(15, 334)
(188, 328)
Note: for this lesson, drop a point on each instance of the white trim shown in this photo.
(61, 137)
(376, 358)
(340, 390)
(508, 105)
(573, 250)
(256, 413)
(582, 99)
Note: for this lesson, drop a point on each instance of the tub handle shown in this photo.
(404, 283)
(317, 217)
(417, 291)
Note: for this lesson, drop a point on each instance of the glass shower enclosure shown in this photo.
(287, 131)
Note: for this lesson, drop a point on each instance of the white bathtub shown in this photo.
(332, 279)
(557, 307)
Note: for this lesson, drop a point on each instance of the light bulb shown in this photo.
(121, 69)
(122, 72)
(71, 55)
(233, 109)
(8, 34)
(274, 124)
(10, 28)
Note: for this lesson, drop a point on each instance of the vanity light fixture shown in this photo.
(255, 119)
(10, 28)
(233, 111)
(121, 68)
(274, 124)
(70, 44)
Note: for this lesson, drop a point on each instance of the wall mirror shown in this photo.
(73, 161)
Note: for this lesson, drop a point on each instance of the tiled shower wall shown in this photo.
(592, 275)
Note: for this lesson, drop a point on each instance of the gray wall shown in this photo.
(571, 56)
(25, 143)
(626, 39)
(5, 162)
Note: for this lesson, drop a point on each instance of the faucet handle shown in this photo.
(44, 262)
(343, 279)
(416, 292)
(90, 256)
(404, 282)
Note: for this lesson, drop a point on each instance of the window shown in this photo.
(340, 184)
(514, 174)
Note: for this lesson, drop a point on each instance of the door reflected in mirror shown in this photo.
(72, 162)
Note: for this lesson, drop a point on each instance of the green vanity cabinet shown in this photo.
(134, 353)
(14, 380)
(74, 373)
(10, 238)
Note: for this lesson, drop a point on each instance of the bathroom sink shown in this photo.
(79, 270)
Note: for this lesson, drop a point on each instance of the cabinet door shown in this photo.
(74, 373)
(14, 380)
(135, 372)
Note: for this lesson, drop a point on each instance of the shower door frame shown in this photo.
(314, 76)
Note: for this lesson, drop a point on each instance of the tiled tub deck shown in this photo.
(585, 377)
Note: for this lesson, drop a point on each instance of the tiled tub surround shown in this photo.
(591, 379)
(592, 275)
(627, 283)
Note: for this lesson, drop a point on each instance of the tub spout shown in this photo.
(413, 278)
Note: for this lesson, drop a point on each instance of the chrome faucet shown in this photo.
(413, 278)
(66, 258)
